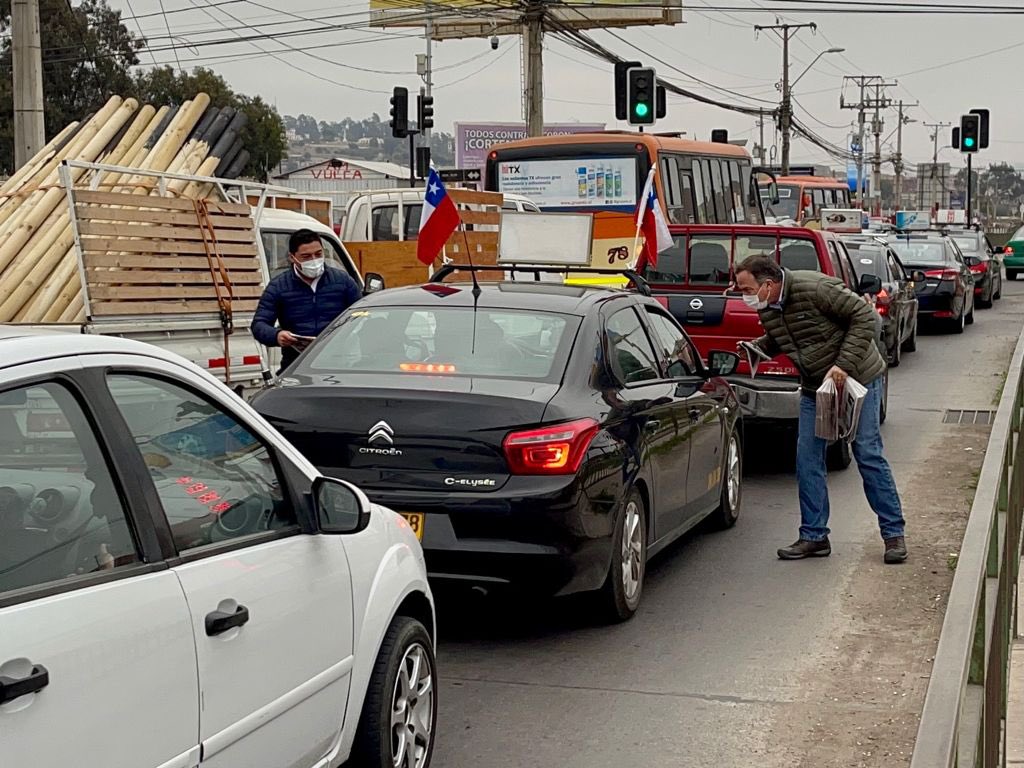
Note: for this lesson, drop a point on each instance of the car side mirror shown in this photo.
(721, 363)
(918, 276)
(339, 507)
(869, 285)
(373, 282)
(972, 261)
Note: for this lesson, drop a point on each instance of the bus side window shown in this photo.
(698, 189)
(686, 190)
(716, 187)
(818, 196)
(751, 190)
(739, 212)
(670, 186)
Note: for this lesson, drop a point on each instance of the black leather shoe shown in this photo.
(802, 548)
(895, 550)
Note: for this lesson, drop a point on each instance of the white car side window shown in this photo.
(215, 479)
(60, 514)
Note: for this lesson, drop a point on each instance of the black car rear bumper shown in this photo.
(542, 534)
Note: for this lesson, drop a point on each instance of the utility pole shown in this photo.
(935, 159)
(760, 125)
(27, 61)
(785, 32)
(865, 103)
(428, 65)
(533, 45)
(897, 161)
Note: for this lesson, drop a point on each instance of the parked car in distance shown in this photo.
(545, 437)
(692, 280)
(985, 262)
(947, 293)
(896, 302)
(180, 587)
(1013, 255)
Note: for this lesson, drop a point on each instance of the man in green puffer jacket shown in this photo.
(829, 332)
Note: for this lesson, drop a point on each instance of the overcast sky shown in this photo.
(474, 83)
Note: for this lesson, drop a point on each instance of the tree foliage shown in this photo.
(87, 54)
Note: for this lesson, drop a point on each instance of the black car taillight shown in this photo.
(555, 450)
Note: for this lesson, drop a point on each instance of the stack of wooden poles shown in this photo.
(39, 276)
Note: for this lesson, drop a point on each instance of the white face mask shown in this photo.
(312, 268)
(754, 300)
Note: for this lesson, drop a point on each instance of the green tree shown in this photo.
(87, 54)
(264, 135)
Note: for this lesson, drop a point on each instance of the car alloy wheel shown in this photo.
(399, 717)
(632, 552)
(733, 474)
(623, 588)
(412, 709)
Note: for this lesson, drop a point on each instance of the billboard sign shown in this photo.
(474, 140)
(605, 183)
(454, 19)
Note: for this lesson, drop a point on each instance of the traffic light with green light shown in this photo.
(970, 133)
(641, 89)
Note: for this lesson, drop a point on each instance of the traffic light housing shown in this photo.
(641, 90)
(621, 106)
(970, 133)
(983, 114)
(424, 112)
(400, 113)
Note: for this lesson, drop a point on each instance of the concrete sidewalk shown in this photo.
(1015, 712)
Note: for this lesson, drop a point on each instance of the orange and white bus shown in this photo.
(604, 174)
(802, 198)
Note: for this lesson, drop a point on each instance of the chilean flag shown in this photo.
(650, 220)
(439, 219)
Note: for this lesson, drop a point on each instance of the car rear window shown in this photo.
(920, 251)
(868, 260)
(708, 262)
(449, 341)
(968, 244)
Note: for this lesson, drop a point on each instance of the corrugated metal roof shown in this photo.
(385, 169)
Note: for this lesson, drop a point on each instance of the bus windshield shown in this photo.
(788, 206)
(559, 184)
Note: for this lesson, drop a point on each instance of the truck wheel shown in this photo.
(838, 456)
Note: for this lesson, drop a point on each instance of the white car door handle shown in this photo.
(219, 622)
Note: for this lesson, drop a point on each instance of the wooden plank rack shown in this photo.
(147, 255)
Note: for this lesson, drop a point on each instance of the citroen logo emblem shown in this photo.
(382, 432)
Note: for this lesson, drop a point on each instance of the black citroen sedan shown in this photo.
(534, 435)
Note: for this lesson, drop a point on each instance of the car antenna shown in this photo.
(476, 284)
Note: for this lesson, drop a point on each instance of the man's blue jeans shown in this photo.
(811, 473)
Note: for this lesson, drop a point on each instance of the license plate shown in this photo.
(415, 520)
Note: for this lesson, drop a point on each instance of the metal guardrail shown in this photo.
(963, 723)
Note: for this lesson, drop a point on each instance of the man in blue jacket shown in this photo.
(301, 302)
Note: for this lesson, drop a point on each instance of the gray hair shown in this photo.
(761, 268)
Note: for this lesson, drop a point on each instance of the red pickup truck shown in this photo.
(692, 279)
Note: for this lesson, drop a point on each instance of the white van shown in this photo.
(394, 214)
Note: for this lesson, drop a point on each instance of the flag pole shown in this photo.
(641, 210)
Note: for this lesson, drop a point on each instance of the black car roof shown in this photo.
(506, 294)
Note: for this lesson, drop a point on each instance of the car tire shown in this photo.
(839, 456)
(956, 325)
(624, 586)
(982, 302)
(910, 345)
(999, 290)
(969, 320)
(894, 358)
(407, 645)
(731, 497)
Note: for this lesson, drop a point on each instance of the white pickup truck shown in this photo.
(234, 357)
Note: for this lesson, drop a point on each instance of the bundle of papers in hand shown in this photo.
(837, 410)
(754, 356)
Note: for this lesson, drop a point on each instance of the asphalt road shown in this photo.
(727, 634)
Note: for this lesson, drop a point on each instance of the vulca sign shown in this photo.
(474, 140)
